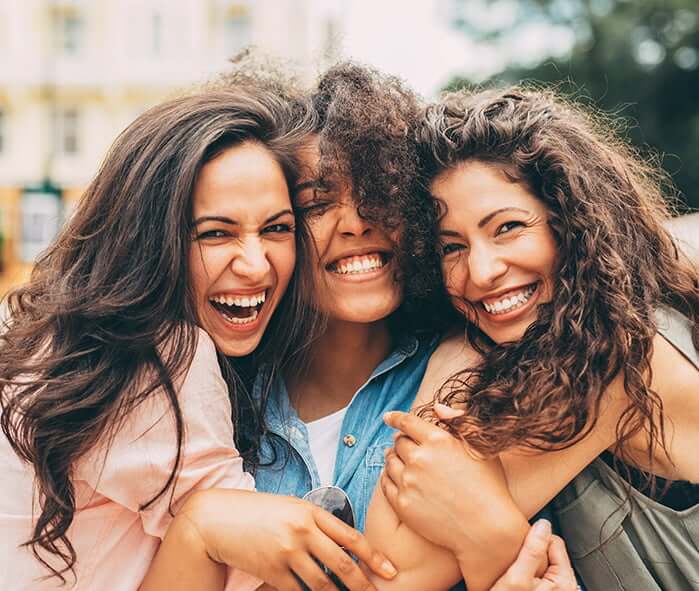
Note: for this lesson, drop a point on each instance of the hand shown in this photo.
(276, 539)
(440, 489)
(539, 544)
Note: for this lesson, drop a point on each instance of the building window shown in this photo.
(68, 32)
(67, 131)
(236, 30)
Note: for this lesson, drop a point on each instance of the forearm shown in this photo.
(490, 551)
(182, 562)
(479, 556)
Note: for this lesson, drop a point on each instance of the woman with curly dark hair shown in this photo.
(582, 330)
(119, 364)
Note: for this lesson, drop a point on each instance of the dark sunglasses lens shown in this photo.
(333, 500)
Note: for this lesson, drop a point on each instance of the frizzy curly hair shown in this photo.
(617, 265)
(366, 124)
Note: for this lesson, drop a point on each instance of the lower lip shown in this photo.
(362, 276)
(513, 314)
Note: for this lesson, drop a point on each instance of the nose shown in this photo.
(251, 262)
(350, 223)
(485, 266)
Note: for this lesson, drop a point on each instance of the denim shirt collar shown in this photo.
(281, 416)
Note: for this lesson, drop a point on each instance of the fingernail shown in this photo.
(388, 568)
(542, 528)
(387, 416)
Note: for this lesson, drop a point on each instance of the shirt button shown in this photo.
(349, 440)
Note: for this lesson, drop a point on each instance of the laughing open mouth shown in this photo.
(238, 309)
(355, 265)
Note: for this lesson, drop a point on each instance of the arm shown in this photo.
(430, 488)
(445, 487)
(273, 537)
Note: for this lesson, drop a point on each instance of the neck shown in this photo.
(341, 361)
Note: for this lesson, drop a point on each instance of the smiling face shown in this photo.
(243, 250)
(499, 252)
(354, 274)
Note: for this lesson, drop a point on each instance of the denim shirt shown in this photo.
(364, 436)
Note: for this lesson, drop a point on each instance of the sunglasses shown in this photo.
(335, 501)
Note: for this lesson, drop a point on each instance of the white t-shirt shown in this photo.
(323, 437)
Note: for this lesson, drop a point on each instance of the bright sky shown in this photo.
(413, 39)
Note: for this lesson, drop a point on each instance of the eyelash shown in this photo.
(315, 207)
(516, 224)
(452, 247)
(278, 229)
(210, 234)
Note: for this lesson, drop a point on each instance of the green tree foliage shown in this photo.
(635, 58)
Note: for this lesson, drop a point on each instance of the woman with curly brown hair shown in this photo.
(582, 329)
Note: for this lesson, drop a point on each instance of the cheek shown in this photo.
(455, 274)
(283, 259)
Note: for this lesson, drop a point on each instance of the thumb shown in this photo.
(445, 412)
(534, 551)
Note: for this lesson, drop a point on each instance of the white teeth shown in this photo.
(240, 301)
(510, 303)
(358, 264)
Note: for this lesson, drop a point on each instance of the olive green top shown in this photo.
(631, 543)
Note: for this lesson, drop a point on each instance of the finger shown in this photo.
(447, 413)
(390, 491)
(405, 448)
(340, 563)
(348, 537)
(414, 427)
(560, 566)
(393, 468)
(285, 582)
(533, 551)
(310, 572)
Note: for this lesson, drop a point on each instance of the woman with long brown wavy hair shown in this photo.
(582, 330)
(122, 362)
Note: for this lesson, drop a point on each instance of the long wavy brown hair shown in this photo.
(607, 208)
(107, 319)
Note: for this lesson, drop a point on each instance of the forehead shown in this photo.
(246, 175)
(479, 187)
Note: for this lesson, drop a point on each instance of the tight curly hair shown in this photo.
(618, 265)
(366, 127)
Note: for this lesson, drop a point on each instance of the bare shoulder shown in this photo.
(675, 378)
(452, 355)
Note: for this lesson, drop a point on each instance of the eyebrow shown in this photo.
(492, 214)
(307, 185)
(232, 222)
(451, 233)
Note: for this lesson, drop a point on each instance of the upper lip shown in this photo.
(357, 252)
(240, 292)
(500, 293)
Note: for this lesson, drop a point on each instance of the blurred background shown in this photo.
(73, 73)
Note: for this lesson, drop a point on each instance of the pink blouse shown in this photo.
(115, 541)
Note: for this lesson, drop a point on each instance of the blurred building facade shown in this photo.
(73, 73)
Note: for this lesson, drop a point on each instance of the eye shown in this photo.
(278, 229)
(318, 207)
(452, 247)
(508, 227)
(211, 235)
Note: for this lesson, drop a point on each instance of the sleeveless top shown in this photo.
(639, 544)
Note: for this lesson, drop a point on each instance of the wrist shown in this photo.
(499, 539)
(192, 524)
